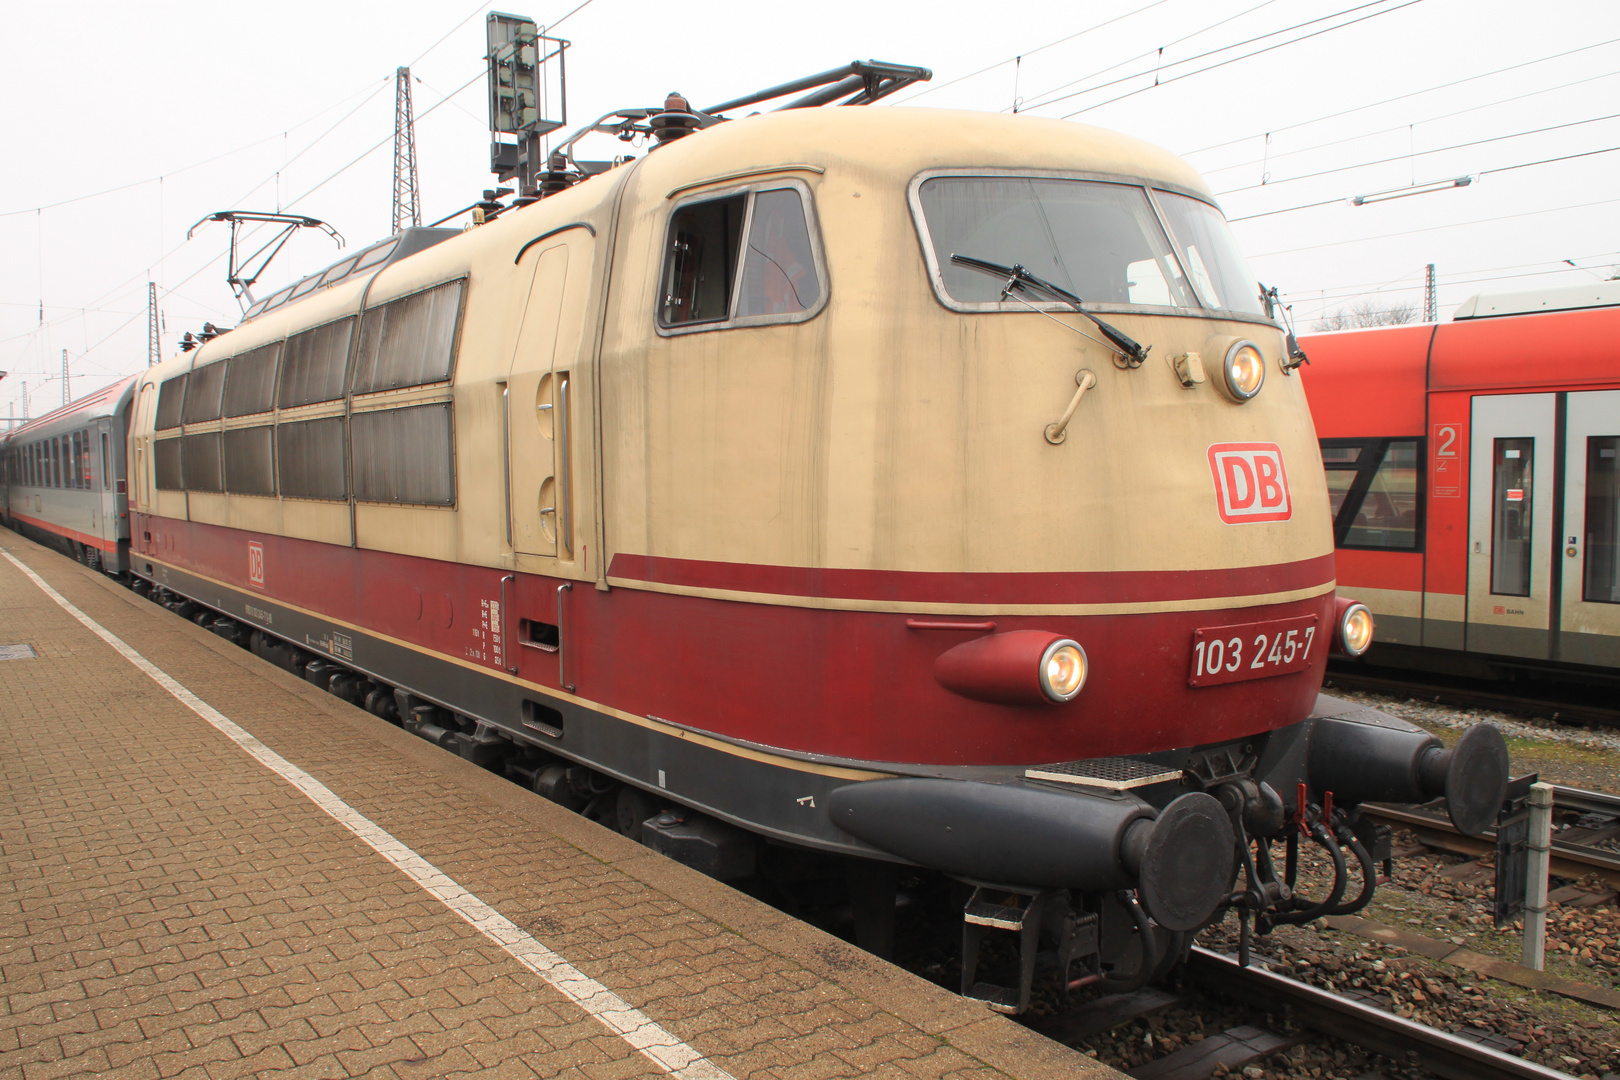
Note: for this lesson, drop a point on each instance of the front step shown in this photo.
(999, 909)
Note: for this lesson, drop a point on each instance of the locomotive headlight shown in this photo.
(1353, 628)
(1244, 369)
(1063, 670)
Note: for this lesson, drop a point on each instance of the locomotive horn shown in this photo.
(1365, 760)
(1182, 860)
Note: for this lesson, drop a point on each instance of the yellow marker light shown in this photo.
(1063, 670)
(1355, 630)
(1245, 370)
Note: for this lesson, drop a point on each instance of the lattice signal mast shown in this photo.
(407, 192)
(67, 395)
(1431, 296)
(154, 337)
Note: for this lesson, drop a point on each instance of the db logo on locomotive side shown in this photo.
(256, 563)
(1250, 483)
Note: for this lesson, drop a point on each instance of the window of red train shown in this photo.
(1602, 579)
(1389, 510)
(1512, 501)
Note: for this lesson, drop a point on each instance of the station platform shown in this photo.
(211, 869)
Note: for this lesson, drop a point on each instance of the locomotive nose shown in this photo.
(1182, 860)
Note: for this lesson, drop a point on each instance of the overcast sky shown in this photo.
(269, 107)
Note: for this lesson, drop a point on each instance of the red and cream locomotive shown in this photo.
(929, 488)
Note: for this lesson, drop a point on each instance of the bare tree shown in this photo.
(1367, 313)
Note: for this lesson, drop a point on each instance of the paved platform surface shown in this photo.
(171, 907)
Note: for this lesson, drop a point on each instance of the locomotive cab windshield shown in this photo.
(1110, 241)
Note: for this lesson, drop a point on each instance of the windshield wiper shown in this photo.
(1019, 279)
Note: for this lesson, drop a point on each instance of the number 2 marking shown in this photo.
(1259, 653)
(1449, 435)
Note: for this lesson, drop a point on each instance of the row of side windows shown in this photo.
(403, 456)
(406, 342)
(62, 461)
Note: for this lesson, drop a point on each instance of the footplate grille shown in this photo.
(1116, 773)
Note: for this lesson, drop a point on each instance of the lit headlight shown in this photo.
(1353, 632)
(1244, 370)
(1063, 670)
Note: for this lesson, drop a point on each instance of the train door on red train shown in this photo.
(1589, 616)
(1510, 525)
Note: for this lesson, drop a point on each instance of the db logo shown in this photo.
(256, 563)
(1250, 483)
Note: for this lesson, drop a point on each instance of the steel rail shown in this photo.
(1367, 1027)
(1568, 713)
(1573, 856)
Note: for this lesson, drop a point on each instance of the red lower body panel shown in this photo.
(855, 685)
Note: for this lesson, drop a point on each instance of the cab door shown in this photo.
(1590, 543)
(1510, 525)
(541, 407)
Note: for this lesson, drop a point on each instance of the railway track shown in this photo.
(1561, 709)
(1370, 1028)
(1575, 850)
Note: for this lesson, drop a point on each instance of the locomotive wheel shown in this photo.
(634, 807)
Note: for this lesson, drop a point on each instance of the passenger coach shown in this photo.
(1471, 467)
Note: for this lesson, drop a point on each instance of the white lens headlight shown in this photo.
(1244, 370)
(1355, 630)
(1063, 670)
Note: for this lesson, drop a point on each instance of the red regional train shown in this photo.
(928, 489)
(1472, 468)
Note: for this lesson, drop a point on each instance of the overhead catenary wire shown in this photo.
(1436, 228)
(1401, 97)
(1026, 52)
(1159, 67)
(1238, 59)
(1476, 175)
(1421, 153)
(1270, 158)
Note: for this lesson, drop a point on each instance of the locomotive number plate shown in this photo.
(1257, 650)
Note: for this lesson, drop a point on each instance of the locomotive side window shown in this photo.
(84, 459)
(170, 398)
(1100, 241)
(200, 462)
(315, 364)
(404, 455)
(73, 459)
(701, 261)
(750, 256)
(779, 270)
(309, 459)
(1602, 583)
(1375, 488)
(409, 341)
(204, 393)
(250, 461)
(167, 460)
(250, 381)
(1512, 497)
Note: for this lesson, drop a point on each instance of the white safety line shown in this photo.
(630, 1024)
